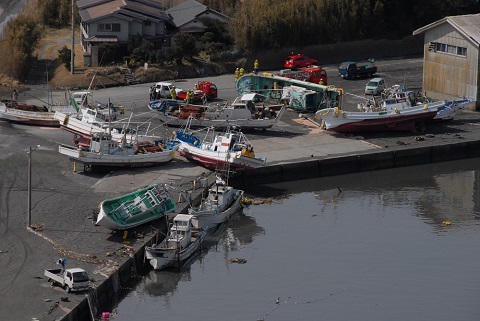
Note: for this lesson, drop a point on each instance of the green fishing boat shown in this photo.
(136, 208)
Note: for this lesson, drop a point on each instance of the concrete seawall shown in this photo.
(368, 161)
(109, 292)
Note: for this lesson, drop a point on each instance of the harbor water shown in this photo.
(392, 245)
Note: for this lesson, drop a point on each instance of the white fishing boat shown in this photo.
(393, 113)
(215, 149)
(135, 208)
(221, 203)
(451, 108)
(28, 114)
(179, 245)
(246, 111)
(105, 151)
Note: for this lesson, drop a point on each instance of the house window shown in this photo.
(147, 23)
(114, 27)
(449, 49)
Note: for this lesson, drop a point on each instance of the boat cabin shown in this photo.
(103, 143)
(180, 231)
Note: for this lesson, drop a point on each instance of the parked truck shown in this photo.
(314, 74)
(350, 70)
(75, 279)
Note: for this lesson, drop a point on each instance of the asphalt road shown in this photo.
(64, 202)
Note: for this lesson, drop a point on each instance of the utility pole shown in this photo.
(72, 55)
(29, 220)
(29, 183)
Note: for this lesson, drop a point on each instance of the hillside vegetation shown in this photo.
(256, 25)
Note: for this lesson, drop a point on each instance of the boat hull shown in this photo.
(218, 118)
(109, 218)
(212, 160)
(86, 130)
(34, 118)
(116, 160)
(161, 257)
(220, 123)
(211, 219)
(408, 119)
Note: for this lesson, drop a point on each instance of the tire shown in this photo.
(52, 282)
(67, 289)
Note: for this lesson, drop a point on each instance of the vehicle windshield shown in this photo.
(372, 83)
(80, 277)
(343, 66)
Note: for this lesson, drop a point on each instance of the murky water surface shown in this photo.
(372, 246)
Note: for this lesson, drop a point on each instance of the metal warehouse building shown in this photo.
(451, 57)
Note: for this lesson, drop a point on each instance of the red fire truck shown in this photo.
(313, 74)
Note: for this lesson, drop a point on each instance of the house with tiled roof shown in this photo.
(114, 21)
(451, 57)
(192, 17)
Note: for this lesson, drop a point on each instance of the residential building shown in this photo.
(193, 17)
(114, 21)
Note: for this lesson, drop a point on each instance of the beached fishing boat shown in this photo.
(297, 94)
(393, 113)
(136, 208)
(221, 203)
(246, 111)
(180, 244)
(27, 114)
(215, 149)
(451, 108)
(105, 151)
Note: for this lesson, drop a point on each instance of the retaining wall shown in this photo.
(356, 163)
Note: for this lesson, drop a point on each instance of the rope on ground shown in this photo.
(84, 257)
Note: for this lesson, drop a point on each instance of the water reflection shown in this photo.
(377, 245)
(226, 238)
(437, 194)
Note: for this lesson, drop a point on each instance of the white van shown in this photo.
(162, 90)
(375, 86)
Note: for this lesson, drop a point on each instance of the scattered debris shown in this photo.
(278, 303)
(64, 299)
(447, 223)
(430, 135)
(47, 300)
(419, 138)
(238, 260)
(37, 226)
(399, 142)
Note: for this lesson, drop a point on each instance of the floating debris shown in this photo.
(238, 260)
(447, 223)
(278, 303)
(259, 201)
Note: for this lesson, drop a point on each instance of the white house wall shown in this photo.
(447, 76)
